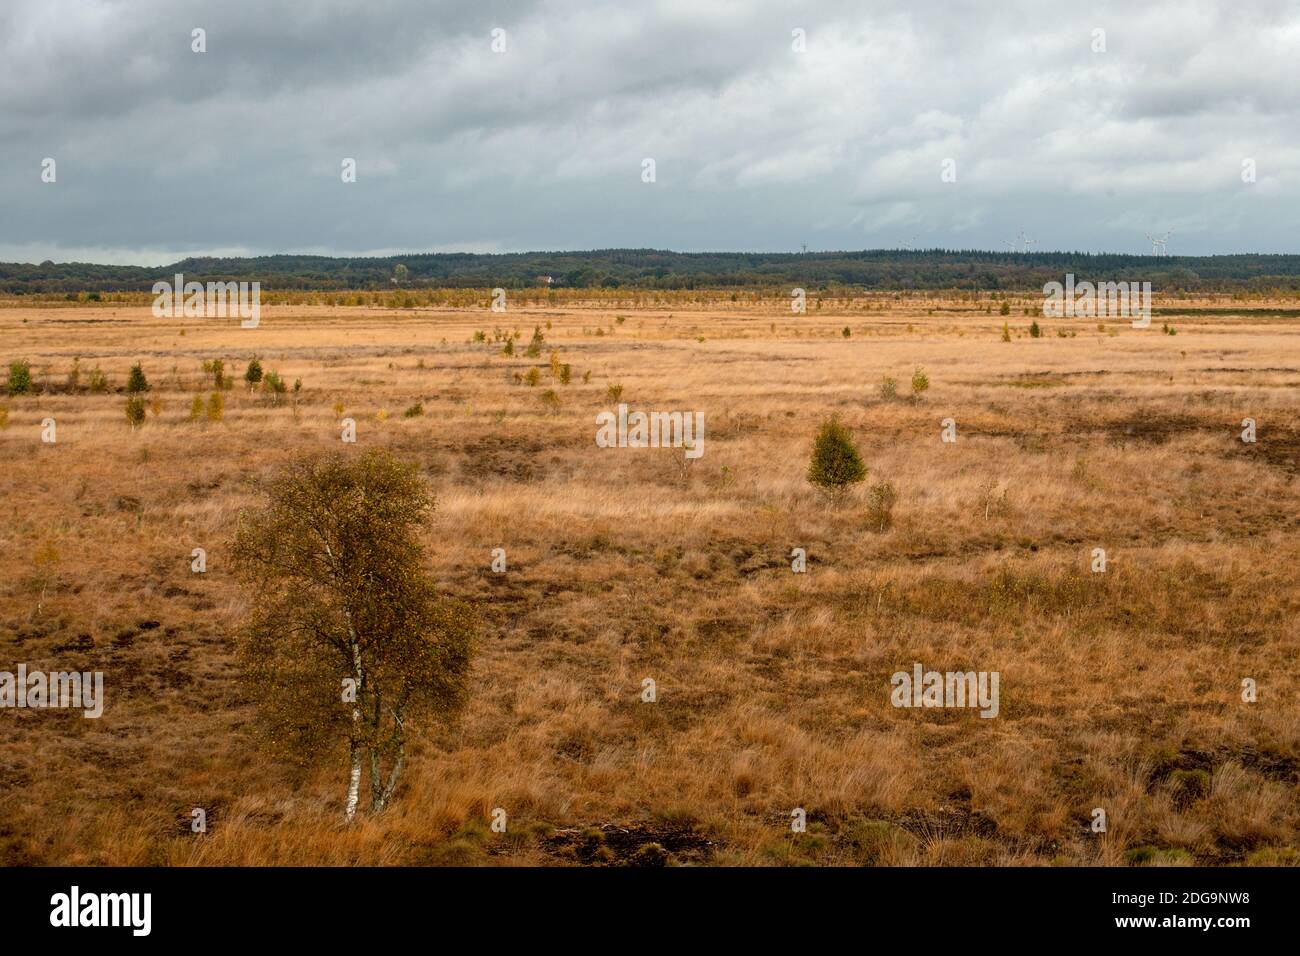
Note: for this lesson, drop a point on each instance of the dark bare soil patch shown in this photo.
(646, 845)
(947, 823)
(1148, 428)
(514, 459)
(1275, 445)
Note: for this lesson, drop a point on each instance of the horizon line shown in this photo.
(818, 253)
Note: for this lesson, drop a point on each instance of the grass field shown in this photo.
(1120, 690)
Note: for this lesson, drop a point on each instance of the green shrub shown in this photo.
(98, 382)
(615, 392)
(216, 407)
(135, 411)
(888, 389)
(253, 374)
(920, 382)
(881, 499)
(415, 411)
(566, 374)
(533, 377)
(274, 384)
(196, 408)
(1034, 331)
(136, 383)
(835, 462)
(217, 369)
(20, 378)
(535, 346)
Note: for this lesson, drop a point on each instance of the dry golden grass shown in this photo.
(1118, 690)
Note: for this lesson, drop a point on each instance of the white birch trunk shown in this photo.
(354, 780)
(354, 784)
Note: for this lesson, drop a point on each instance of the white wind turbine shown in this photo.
(1021, 241)
(1158, 244)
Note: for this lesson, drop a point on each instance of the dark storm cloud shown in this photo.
(162, 152)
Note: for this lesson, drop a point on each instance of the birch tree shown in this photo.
(347, 646)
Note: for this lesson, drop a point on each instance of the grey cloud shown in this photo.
(164, 152)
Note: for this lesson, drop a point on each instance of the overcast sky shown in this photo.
(162, 152)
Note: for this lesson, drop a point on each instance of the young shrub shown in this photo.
(888, 389)
(335, 571)
(1034, 331)
(992, 498)
(586, 377)
(881, 499)
(509, 347)
(920, 382)
(20, 378)
(4, 417)
(253, 374)
(1006, 332)
(135, 411)
(835, 462)
(136, 383)
(533, 377)
(217, 369)
(535, 345)
(550, 399)
(846, 333)
(274, 385)
(415, 411)
(98, 382)
(155, 406)
(615, 393)
(216, 407)
(1006, 308)
(196, 408)
(74, 374)
(338, 408)
(566, 374)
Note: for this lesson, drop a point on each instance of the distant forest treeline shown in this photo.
(886, 269)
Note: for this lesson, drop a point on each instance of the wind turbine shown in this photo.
(908, 244)
(1158, 244)
(1021, 240)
